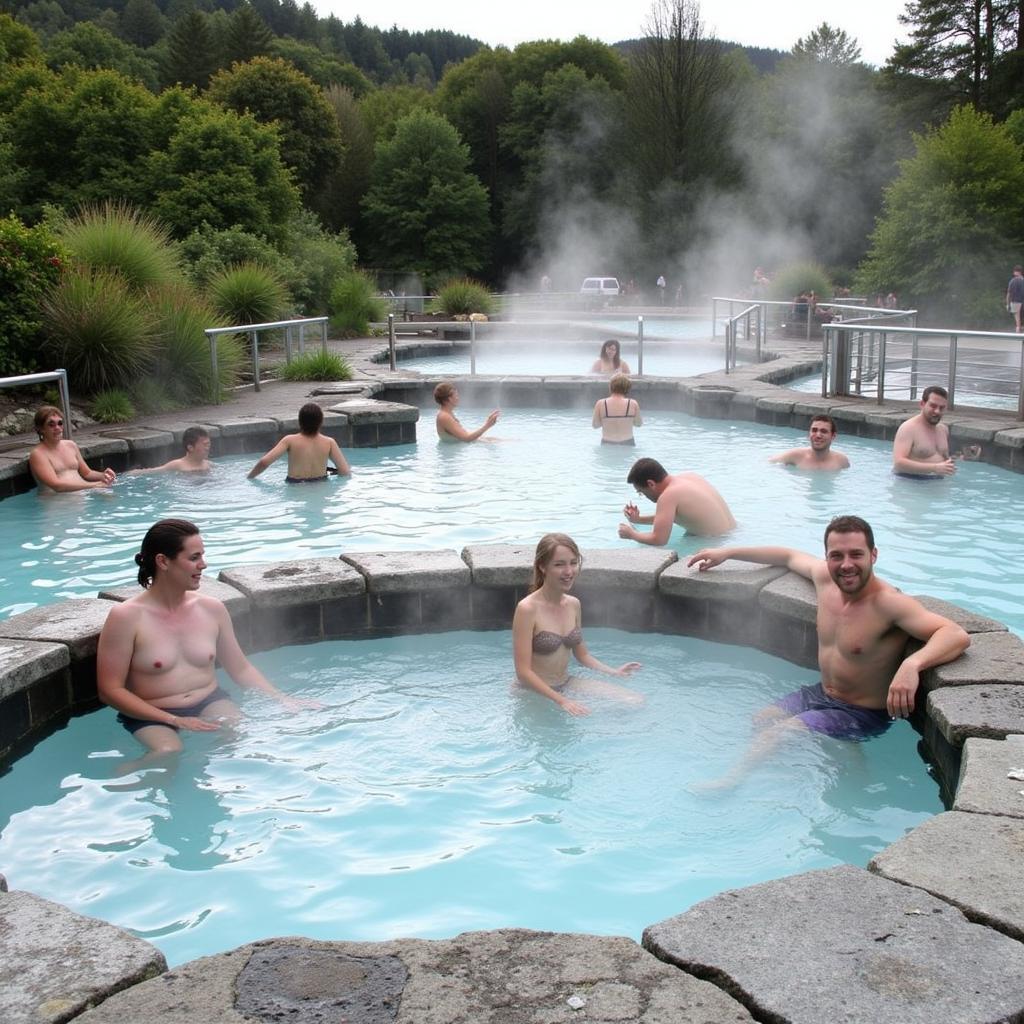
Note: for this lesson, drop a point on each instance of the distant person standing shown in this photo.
(617, 415)
(1015, 295)
(661, 289)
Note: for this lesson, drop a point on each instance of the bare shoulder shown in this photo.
(125, 614)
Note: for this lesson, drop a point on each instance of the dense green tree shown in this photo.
(325, 69)
(828, 45)
(142, 24)
(426, 209)
(274, 91)
(952, 223)
(18, 43)
(344, 191)
(45, 17)
(89, 46)
(382, 109)
(248, 36)
(191, 56)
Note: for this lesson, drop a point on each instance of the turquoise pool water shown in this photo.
(961, 539)
(425, 798)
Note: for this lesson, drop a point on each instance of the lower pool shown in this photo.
(426, 798)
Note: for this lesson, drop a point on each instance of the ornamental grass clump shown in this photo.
(354, 304)
(247, 293)
(318, 365)
(795, 278)
(112, 406)
(462, 297)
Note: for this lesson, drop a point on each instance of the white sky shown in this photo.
(768, 23)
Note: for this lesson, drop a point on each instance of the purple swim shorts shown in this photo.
(825, 714)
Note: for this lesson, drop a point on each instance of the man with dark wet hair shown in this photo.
(921, 445)
(308, 451)
(685, 499)
(819, 455)
(56, 463)
(864, 624)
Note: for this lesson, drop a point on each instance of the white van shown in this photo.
(600, 287)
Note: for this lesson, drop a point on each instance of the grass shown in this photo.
(317, 365)
(247, 293)
(112, 406)
(354, 303)
(463, 296)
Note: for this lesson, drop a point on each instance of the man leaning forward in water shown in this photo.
(863, 628)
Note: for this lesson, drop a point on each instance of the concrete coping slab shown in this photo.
(776, 404)
(991, 712)
(992, 658)
(1012, 437)
(290, 424)
(986, 885)
(732, 581)
(141, 439)
(790, 595)
(10, 467)
(395, 572)
(303, 581)
(342, 387)
(54, 963)
(76, 624)
(504, 975)
(975, 430)
(237, 426)
(843, 944)
(373, 410)
(500, 565)
(624, 568)
(821, 406)
(95, 447)
(177, 430)
(985, 786)
(23, 662)
(970, 621)
(234, 600)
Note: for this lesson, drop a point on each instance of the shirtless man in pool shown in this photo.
(685, 499)
(921, 445)
(863, 628)
(56, 463)
(308, 451)
(158, 651)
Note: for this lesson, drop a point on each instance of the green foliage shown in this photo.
(428, 212)
(828, 45)
(183, 365)
(191, 56)
(248, 293)
(354, 303)
(18, 43)
(952, 225)
(795, 278)
(248, 35)
(98, 329)
(117, 237)
(318, 365)
(381, 110)
(151, 397)
(463, 296)
(323, 68)
(319, 258)
(30, 265)
(208, 251)
(112, 405)
(89, 46)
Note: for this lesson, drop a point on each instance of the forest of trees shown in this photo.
(670, 153)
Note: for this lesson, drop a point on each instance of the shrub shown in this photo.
(30, 265)
(183, 351)
(209, 251)
(354, 303)
(112, 406)
(795, 278)
(98, 329)
(462, 296)
(247, 293)
(317, 365)
(150, 395)
(319, 258)
(115, 236)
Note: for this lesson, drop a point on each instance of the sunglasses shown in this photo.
(55, 423)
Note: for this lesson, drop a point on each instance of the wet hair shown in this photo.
(619, 384)
(443, 392)
(1018, 269)
(311, 417)
(646, 469)
(546, 551)
(618, 351)
(43, 413)
(934, 389)
(167, 537)
(822, 418)
(193, 435)
(850, 524)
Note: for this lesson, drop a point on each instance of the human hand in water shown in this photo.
(196, 724)
(626, 670)
(574, 708)
(493, 417)
(109, 476)
(707, 558)
(631, 512)
(626, 532)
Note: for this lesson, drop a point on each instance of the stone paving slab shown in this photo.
(500, 565)
(94, 446)
(76, 624)
(974, 861)
(55, 963)
(371, 410)
(992, 658)
(302, 581)
(234, 600)
(844, 945)
(731, 581)
(511, 976)
(391, 572)
(332, 420)
(140, 439)
(22, 662)
(791, 595)
(624, 568)
(991, 712)
(971, 622)
(984, 787)
(1012, 437)
(236, 426)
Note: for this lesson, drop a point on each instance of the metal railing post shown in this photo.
(323, 337)
(714, 317)
(640, 345)
(881, 368)
(1020, 394)
(214, 369)
(952, 370)
(391, 341)
(913, 367)
(828, 340)
(65, 399)
(254, 343)
(472, 348)
(302, 339)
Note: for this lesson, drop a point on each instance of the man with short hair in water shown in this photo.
(819, 455)
(685, 499)
(921, 445)
(863, 628)
(308, 451)
(196, 459)
(617, 415)
(447, 423)
(158, 651)
(57, 463)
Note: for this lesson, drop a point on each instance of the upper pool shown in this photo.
(961, 539)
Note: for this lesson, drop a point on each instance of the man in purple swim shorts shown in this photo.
(867, 674)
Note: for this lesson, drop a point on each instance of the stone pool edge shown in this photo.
(972, 718)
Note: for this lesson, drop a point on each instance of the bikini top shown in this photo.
(627, 415)
(547, 642)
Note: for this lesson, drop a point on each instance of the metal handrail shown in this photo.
(732, 333)
(254, 331)
(841, 308)
(60, 376)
